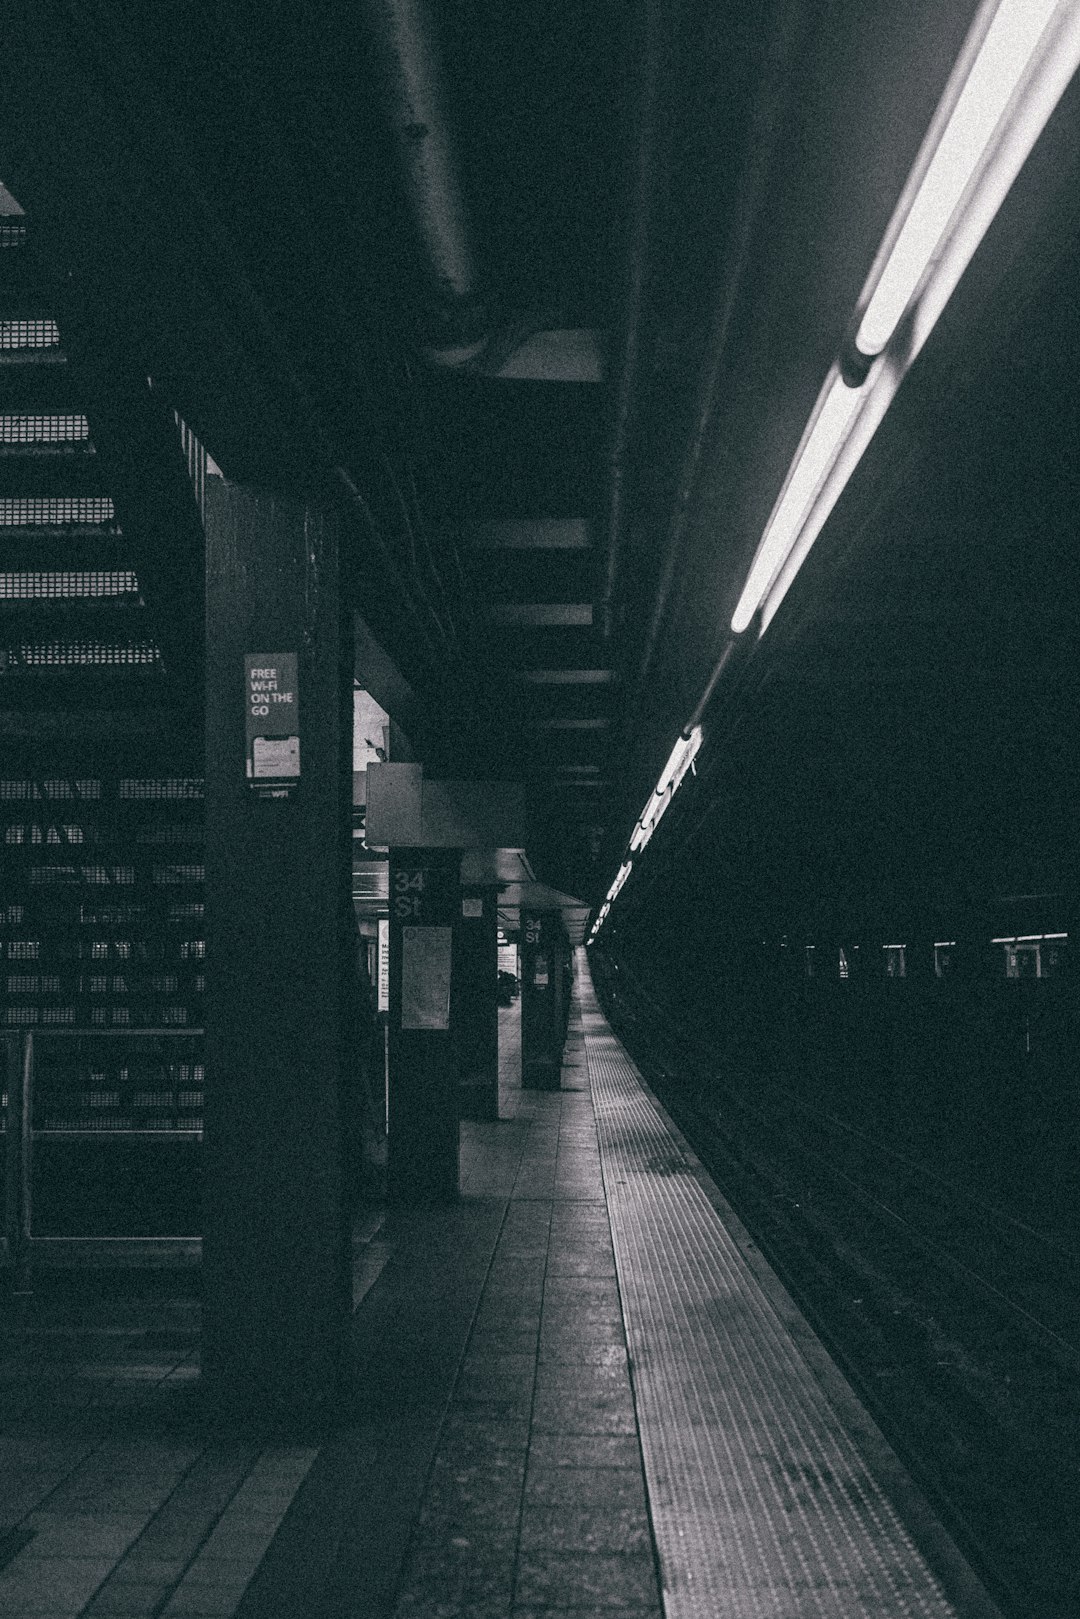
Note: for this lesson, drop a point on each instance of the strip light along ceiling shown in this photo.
(679, 762)
(680, 759)
(1018, 58)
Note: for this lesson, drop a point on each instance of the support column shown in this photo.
(541, 1000)
(475, 1008)
(422, 1138)
(278, 850)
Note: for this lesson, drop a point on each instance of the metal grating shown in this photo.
(187, 910)
(24, 428)
(33, 983)
(50, 789)
(22, 336)
(98, 939)
(68, 584)
(176, 787)
(95, 874)
(141, 1083)
(58, 511)
(20, 833)
(12, 233)
(86, 654)
(762, 1505)
(170, 875)
(169, 834)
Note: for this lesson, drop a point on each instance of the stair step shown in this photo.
(28, 337)
(40, 588)
(78, 650)
(74, 615)
(57, 516)
(49, 432)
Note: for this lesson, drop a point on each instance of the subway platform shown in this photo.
(580, 1392)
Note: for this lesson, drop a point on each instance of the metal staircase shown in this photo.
(71, 610)
(101, 863)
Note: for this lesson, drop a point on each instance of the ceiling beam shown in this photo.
(540, 615)
(563, 355)
(561, 722)
(565, 677)
(530, 534)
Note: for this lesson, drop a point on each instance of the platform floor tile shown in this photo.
(535, 1500)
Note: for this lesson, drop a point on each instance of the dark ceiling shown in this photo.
(694, 192)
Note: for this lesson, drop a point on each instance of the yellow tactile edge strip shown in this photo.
(762, 1506)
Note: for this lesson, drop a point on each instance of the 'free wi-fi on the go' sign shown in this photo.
(272, 723)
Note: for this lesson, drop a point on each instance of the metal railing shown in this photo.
(18, 1134)
(21, 1049)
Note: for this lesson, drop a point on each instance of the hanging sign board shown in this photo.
(425, 977)
(271, 718)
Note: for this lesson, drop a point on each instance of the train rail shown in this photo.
(958, 1323)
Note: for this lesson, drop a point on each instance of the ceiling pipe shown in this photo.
(429, 170)
(461, 328)
(765, 120)
(637, 265)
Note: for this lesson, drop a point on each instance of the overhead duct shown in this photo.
(645, 187)
(430, 174)
(462, 331)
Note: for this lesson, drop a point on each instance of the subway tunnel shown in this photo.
(538, 772)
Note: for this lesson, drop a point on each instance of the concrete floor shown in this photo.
(491, 1465)
(504, 1456)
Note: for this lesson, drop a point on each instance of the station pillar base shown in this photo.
(422, 1126)
(475, 1008)
(543, 990)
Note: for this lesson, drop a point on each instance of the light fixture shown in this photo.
(1006, 82)
(620, 878)
(1029, 938)
(1018, 58)
(680, 759)
(825, 432)
(679, 762)
(874, 398)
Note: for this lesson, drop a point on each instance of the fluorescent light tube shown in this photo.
(620, 877)
(679, 757)
(876, 395)
(986, 88)
(1010, 76)
(836, 406)
(679, 761)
